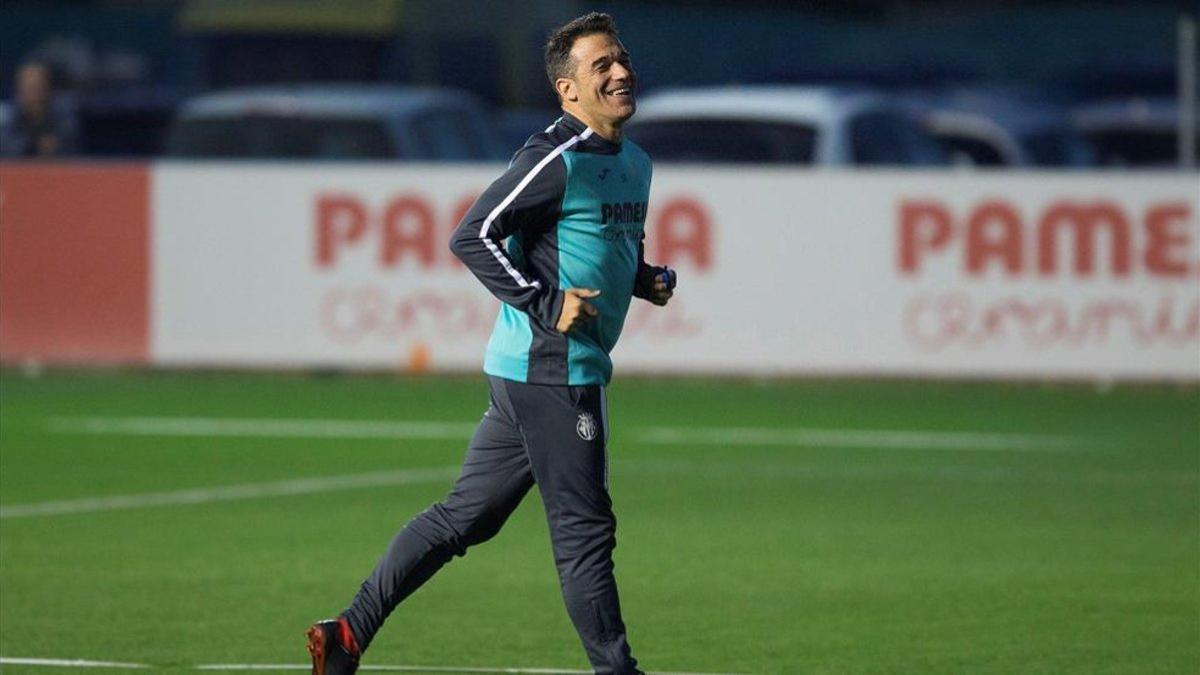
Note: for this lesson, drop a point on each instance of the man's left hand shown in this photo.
(663, 287)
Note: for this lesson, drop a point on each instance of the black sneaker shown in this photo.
(329, 655)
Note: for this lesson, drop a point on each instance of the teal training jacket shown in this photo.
(572, 207)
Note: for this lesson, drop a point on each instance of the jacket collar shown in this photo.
(593, 141)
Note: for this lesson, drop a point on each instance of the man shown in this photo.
(572, 205)
(37, 127)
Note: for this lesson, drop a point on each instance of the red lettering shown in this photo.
(924, 226)
(935, 322)
(1084, 222)
(408, 226)
(684, 230)
(1069, 238)
(341, 219)
(355, 313)
(459, 212)
(1167, 240)
(994, 232)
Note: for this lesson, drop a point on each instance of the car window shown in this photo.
(468, 130)
(881, 138)
(281, 137)
(1055, 147)
(970, 150)
(1136, 147)
(725, 141)
(445, 134)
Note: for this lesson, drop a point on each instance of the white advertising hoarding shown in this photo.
(781, 271)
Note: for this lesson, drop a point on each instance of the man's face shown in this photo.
(604, 79)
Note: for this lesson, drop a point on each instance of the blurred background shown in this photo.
(925, 400)
(1012, 184)
(1056, 84)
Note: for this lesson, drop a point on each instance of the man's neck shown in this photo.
(609, 132)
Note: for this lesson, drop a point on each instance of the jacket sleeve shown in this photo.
(643, 283)
(525, 200)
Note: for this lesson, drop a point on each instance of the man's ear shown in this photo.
(565, 87)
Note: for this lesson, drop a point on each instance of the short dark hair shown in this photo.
(561, 39)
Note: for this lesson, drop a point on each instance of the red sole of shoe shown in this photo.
(316, 649)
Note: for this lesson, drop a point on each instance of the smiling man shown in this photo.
(558, 239)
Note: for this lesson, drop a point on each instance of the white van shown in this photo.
(823, 126)
(348, 122)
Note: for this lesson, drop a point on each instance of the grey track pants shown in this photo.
(550, 435)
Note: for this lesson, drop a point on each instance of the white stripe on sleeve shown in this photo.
(487, 222)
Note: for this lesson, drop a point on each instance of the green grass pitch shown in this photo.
(1076, 550)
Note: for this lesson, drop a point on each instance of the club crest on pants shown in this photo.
(586, 426)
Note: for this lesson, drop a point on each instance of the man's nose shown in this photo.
(621, 72)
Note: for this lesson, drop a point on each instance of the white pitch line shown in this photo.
(300, 486)
(410, 669)
(266, 428)
(67, 663)
(431, 669)
(83, 663)
(205, 427)
(633, 466)
(989, 475)
(855, 438)
(417, 430)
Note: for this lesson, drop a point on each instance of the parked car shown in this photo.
(1132, 132)
(518, 124)
(799, 125)
(999, 127)
(336, 122)
(128, 122)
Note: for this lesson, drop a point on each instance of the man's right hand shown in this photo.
(575, 310)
